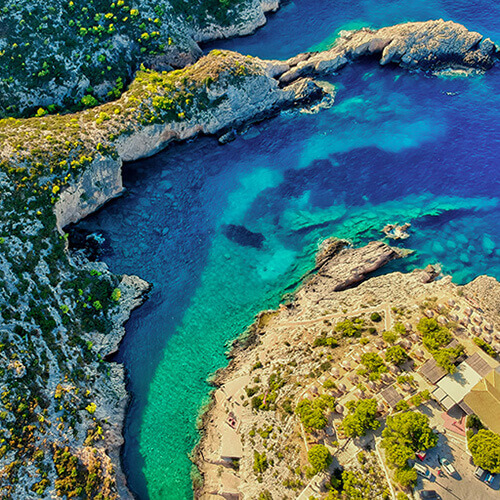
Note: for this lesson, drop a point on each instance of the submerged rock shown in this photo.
(243, 236)
(397, 232)
(488, 244)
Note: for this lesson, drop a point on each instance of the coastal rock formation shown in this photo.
(397, 232)
(339, 268)
(251, 15)
(430, 45)
(98, 184)
(289, 386)
(351, 266)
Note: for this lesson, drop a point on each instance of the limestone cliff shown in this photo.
(76, 54)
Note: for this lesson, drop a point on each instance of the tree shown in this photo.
(319, 457)
(445, 358)
(396, 355)
(434, 336)
(411, 429)
(399, 328)
(406, 476)
(485, 449)
(361, 417)
(390, 337)
(265, 495)
(398, 455)
(350, 328)
(406, 433)
(312, 413)
(374, 365)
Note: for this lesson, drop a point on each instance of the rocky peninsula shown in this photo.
(63, 402)
(300, 378)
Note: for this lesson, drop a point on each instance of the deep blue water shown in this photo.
(396, 147)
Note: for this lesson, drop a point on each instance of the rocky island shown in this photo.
(62, 402)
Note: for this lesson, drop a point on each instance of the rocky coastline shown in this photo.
(67, 166)
(251, 419)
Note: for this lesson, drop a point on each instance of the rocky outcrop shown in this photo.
(340, 268)
(242, 102)
(430, 45)
(250, 16)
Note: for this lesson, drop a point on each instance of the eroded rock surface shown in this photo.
(430, 45)
(344, 267)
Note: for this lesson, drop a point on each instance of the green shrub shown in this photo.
(474, 422)
(260, 463)
(361, 417)
(89, 101)
(350, 328)
(374, 365)
(485, 347)
(319, 457)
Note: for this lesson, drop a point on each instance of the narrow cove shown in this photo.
(395, 147)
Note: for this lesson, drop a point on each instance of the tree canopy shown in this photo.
(350, 328)
(361, 417)
(485, 449)
(319, 457)
(396, 355)
(410, 428)
(445, 358)
(405, 434)
(312, 413)
(406, 476)
(390, 337)
(374, 365)
(434, 336)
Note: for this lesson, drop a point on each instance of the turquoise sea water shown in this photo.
(396, 147)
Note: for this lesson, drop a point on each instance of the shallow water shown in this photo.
(396, 147)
